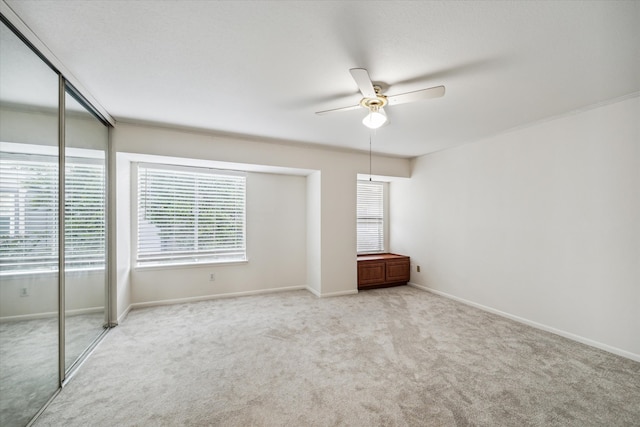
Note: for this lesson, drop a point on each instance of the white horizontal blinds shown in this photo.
(84, 221)
(370, 207)
(29, 213)
(190, 215)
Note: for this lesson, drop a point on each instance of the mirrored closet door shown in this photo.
(28, 231)
(53, 260)
(86, 140)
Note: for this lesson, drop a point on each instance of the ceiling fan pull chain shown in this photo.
(370, 132)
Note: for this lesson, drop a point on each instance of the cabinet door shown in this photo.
(371, 272)
(397, 270)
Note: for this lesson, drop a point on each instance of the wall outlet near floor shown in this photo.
(418, 268)
(212, 277)
(24, 292)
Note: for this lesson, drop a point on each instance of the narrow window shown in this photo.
(370, 207)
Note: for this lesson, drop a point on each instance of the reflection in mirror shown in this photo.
(28, 231)
(85, 244)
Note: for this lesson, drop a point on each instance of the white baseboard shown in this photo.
(209, 297)
(313, 291)
(122, 317)
(339, 293)
(569, 335)
(331, 294)
(50, 314)
(124, 314)
(89, 310)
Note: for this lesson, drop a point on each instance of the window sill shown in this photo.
(207, 264)
(53, 273)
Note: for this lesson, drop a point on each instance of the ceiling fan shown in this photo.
(375, 101)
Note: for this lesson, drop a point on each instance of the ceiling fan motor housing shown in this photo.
(374, 104)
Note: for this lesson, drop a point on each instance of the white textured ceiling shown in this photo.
(263, 68)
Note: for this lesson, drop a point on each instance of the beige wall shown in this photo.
(276, 249)
(542, 223)
(84, 294)
(306, 192)
(317, 184)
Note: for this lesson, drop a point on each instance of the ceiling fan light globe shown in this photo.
(375, 119)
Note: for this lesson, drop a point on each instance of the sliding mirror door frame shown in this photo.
(57, 114)
(85, 227)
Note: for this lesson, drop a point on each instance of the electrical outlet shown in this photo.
(212, 277)
(24, 292)
(418, 268)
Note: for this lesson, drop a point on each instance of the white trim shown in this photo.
(332, 294)
(124, 314)
(190, 169)
(313, 291)
(209, 164)
(369, 199)
(50, 314)
(569, 335)
(73, 272)
(79, 154)
(211, 297)
(157, 303)
(165, 260)
(340, 293)
(193, 264)
(386, 207)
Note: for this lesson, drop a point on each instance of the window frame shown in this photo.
(48, 157)
(385, 217)
(185, 262)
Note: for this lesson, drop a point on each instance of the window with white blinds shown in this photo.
(84, 213)
(29, 213)
(370, 207)
(190, 215)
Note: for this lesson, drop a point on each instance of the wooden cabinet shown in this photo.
(382, 270)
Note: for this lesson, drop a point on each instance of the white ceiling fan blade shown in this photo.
(351, 107)
(418, 95)
(361, 76)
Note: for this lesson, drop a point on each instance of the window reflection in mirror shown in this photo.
(28, 228)
(86, 141)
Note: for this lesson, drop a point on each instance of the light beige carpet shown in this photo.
(387, 357)
(29, 361)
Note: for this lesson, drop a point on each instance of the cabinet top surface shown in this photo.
(380, 257)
